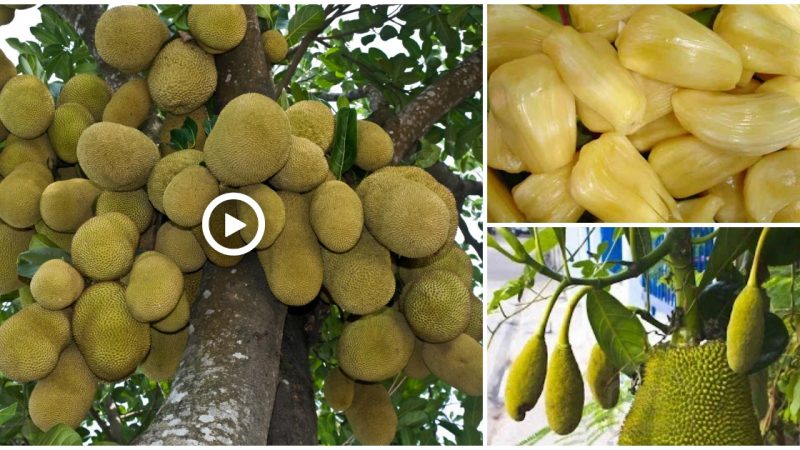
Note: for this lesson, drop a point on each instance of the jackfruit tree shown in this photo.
(704, 351)
(356, 130)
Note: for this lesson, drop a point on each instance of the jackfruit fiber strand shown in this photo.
(515, 31)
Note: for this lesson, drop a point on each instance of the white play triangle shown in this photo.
(232, 225)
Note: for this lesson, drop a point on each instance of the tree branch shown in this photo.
(468, 237)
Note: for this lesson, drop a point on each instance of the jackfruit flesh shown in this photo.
(501, 206)
(166, 351)
(376, 346)
(218, 28)
(116, 157)
(133, 204)
(165, 170)
(69, 122)
(563, 391)
(338, 390)
(603, 379)
(603, 20)
(56, 284)
(656, 131)
(188, 194)
(730, 191)
(129, 37)
(305, 169)
(700, 209)
(130, 105)
(12, 242)
(371, 415)
(337, 216)
(274, 214)
(66, 205)
(26, 106)
(526, 376)
(180, 245)
(499, 155)
(183, 77)
(458, 363)
(745, 333)
(32, 341)
(19, 151)
(88, 90)
(545, 197)
(314, 121)
(515, 31)
(21, 192)
(101, 249)
(275, 46)
(772, 184)
(375, 148)
(437, 306)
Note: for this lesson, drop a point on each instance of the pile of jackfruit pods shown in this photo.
(688, 123)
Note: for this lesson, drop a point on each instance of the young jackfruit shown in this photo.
(458, 363)
(376, 346)
(26, 106)
(101, 249)
(216, 225)
(514, 32)
(336, 216)
(437, 306)
(130, 105)
(415, 367)
(250, 141)
(188, 194)
(155, 286)
(12, 243)
(166, 351)
(56, 284)
(772, 184)
(133, 204)
(177, 319)
(563, 391)
(69, 122)
(274, 213)
(65, 396)
(375, 148)
(67, 204)
(88, 90)
(116, 157)
(275, 46)
(175, 122)
(218, 28)
(451, 258)
(182, 77)
(526, 377)
(314, 121)
(180, 245)
(129, 37)
(545, 197)
(19, 151)
(603, 379)
(746, 329)
(338, 390)
(166, 169)
(689, 396)
(21, 192)
(305, 169)
(372, 415)
(32, 341)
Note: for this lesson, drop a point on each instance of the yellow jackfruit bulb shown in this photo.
(451, 258)
(588, 64)
(515, 31)
(700, 209)
(685, 393)
(65, 396)
(361, 280)
(155, 286)
(178, 318)
(667, 45)
(603, 20)
(183, 77)
(371, 415)
(216, 225)
(789, 214)
(21, 192)
(337, 216)
(501, 206)
(88, 90)
(274, 213)
(545, 197)
(19, 151)
(165, 170)
(111, 340)
(32, 341)
(26, 106)
(175, 122)
(314, 121)
(615, 183)
(772, 184)
(293, 263)
(69, 122)
(499, 155)
(12, 243)
(338, 390)
(101, 250)
(180, 245)
(129, 37)
(218, 28)
(731, 191)
(526, 376)
(603, 379)
(67, 204)
(275, 46)
(130, 105)
(526, 93)
(133, 204)
(563, 391)
(116, 157)
(191, 285)
(56, 284)
(748, 124)
(591, 119)
(748, 87)
(746, 329)
(305, 169)
(658, 95)
(415, 367)
(787, 85)
(656, 131)
(250, 141)
(437, 306)
(7, 69)
(376, 346)
(375, 146)
(166, 351)
(188, 194)
(6, 16)
(458, 363)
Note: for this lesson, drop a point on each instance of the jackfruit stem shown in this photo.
(563, 337)
(549, 308)
(681, 263)
(751, 280)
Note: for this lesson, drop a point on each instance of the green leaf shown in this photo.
(513, 288)
(30, 261)
(706, 16)
(8, 413)
(306, 19)
(342, 102)
(345, 142)
(617, 330)
(59, 435)
(729, 244)
(412, 419)
(473, 415)
(388, 32)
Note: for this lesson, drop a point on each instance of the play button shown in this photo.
(232, 224)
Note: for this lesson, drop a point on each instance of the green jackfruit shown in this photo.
(274, 213)
(305, 169)
(526, 377)
(314, 121)
(129, 37)
(165, 170)
(376, 346)
(416, 368)
(177, 319)
(746, 329)
(116, 157)
(102, 249)
(375, 147)
(180, 246)
(361, 281)
(166, 351)
(69, 122)
(7, 69)
(62, 240)
(66, 205)
(689, 396)
(437, 306)
(451, 258)
(26, 106)
(130, 105)
(250, 141)
(125, 225)
(188, 194)
(65, 396)
(133, 204)
(338, 390)
(475, 325)
(191, 284)
(88, 90)
(216, 225)
(458, 363)
(18, 151)
(110, 339)
(155, 286)
(12, 243)
(175, 122)
(371, 415)
(56, 284)
(275, 46)
(336, 216)
(218, 28)
(183, 77)
(563, 391)
(603, 379)
(293, 263)
(20, 193)
(32, 341)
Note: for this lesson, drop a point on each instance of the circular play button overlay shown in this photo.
(233, 225)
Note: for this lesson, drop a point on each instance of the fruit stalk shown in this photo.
(681, 264)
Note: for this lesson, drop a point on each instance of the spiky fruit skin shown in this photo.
(274, 213)
(191, 284)
(526, 378)
(177, 319)
(218, 28)
(375, 347)
(20, 194)
(165, 354)
(7, 69)
(746, 329)
(336, 216)
(563, 391)
(12, 243)
(250, 141)
(116, 157)
(375, 148)
(69, 121)
(32, 341)
(475, 325)
(175, 122)
(110, 339)
(458, 363)
(19, 151)
(416, 368)
(130, 105)
(155, 286)
(314, 121)
(451, 258)
(437, 306)
(689, 396)
(188, 194)
(338, 390)
(56, 284)
(182, 77)
(101, 250)
(125, 226)
(26, 106)
(66, 205)
(133, 204)
(275, 46)
(603, 379)
(165, 170)
(129, 37)
(372, 415)
(180, 246)
(305, 169)
(88, 90)
(65, 395)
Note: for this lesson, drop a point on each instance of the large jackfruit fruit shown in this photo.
(130, 105)
(26, 106)
(188, 194)
(603, 379)
(274, 213)
(116, 157)
(375, 146)
(125, 226)
(526, 377)
(191, 285)
(110, 339)
(372, 415)
(275, 46)
(65, 396)
(69, 122)
(182, 77)
(7, 69)
(216, 225)
(314, 121)
(218, 28)
(12, 243)
(88, 90)
(563, 391)
(375, 347)
(166, 351)
(19, 151)
(32, 341)
(165, 170)
(451, 258)
(458, 363)
(514, 32)
(338, 390)
(250, 141)
(689, 396)
(101, 248)
(67, 204)
(129, 37)
(177, 319)
(21, 192)
(56, 284)
(475, 325)
(336, 216)
(305, 169)
(155, 286)
(175, 122)
(437, 306)
(415, 367)
(180, 246)
(133, 204)
(745, 333)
